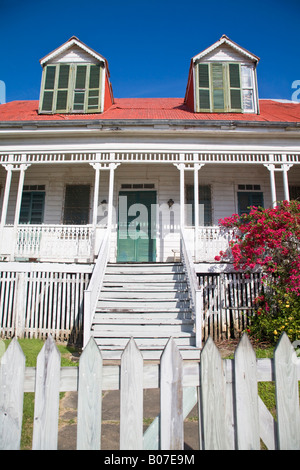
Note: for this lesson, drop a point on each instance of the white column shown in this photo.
(197, 167)
(23, 167)
(181, 167)
(196, 207)
(96, 167)
(285, 168)
(112, 167)
(8, 168)
(271, 168)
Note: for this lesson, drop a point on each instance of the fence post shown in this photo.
(287, 395)
(20, 305)
(46, 408)
(12, 371)
(199, 316)
(89, 398)
(246, 396)
(131, 398)
(171, 398)
(212, 387)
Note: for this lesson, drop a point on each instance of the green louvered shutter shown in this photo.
(204, 200)
(49, 88)
(218, 87)
(235, 87)
(62, 88)
(32, 208)
(204, 93)
(80, 88)
(94, 89)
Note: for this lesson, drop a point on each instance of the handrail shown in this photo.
(194, 288)
(91, 294)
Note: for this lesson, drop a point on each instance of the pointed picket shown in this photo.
(131, 398)
(212, 387)
(246, 394)
(12, 370)
(46, 408)
(171, 398)
(287, 395)
(89, 398)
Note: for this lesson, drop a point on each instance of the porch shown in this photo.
(57, 206)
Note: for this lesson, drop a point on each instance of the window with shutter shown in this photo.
(32, 207)
(235, 87)
(63, 87)
(77, 204)
(248, 199)
(71, 88)
(204, 93)
(50, 73)
(220, 88)
(204, 201)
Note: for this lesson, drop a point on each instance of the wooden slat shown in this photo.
(287, 395)
(46, 407)
(212, 389)
(12, 370)
(171, 398)
(89, 398)
(246, 396)
(131, 398)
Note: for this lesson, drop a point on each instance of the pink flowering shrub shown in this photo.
(269, 239)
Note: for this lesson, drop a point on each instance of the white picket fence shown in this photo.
(231, 414)
(40, 299)
(227, 301)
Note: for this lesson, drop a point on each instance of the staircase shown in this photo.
(149, 302)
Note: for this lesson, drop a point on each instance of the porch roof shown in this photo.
(153, 109)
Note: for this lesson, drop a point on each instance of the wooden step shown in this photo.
(142, 295)
(144, 278)
(143, 343)
(149, 302)
(149, 287)
(139, 320)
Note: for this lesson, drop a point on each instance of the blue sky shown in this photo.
(149, 44)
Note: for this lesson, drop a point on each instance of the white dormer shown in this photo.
(75, 80)
(223, 79)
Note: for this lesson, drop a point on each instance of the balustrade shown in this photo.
(55, 242)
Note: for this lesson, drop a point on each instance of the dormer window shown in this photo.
(75, 80)
(68, 88)
(222, 79)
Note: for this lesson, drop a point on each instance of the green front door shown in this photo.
(136, 226)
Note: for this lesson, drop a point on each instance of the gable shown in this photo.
(74, 54)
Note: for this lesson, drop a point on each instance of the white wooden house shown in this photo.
(95, 184)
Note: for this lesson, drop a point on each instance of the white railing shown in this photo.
(91, 294)
(227, 157)
(55, 242)
(193, 285)
(210, 241)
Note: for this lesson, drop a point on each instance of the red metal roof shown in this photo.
(152, 108)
